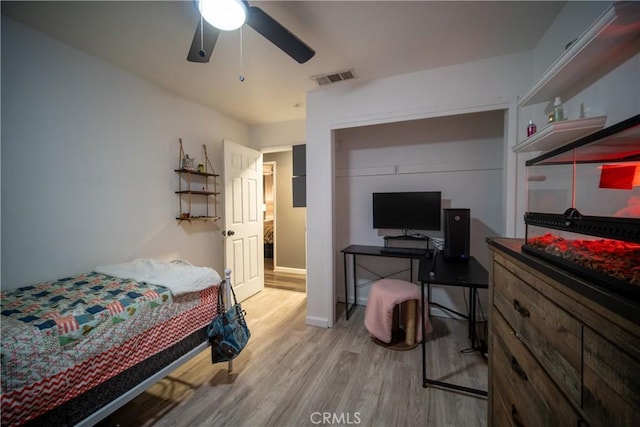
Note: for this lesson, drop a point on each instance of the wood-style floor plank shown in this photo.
(283, 280)
(291, 373)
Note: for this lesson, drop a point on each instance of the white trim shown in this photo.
(277, 149)
(289, 270)
(394, 117)
(449, 167)
(317, 321)
(384, 170)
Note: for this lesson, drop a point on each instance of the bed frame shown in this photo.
(114, 393)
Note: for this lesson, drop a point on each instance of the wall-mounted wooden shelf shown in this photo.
(194, 172)
(199, 218)
(205, 179)
(557, 134)
(592, 54)
(199, 192)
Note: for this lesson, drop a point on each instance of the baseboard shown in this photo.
(289, 270)
(317, 321)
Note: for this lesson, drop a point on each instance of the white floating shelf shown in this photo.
(613, 33)
(557, 134)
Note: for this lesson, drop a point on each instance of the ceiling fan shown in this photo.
(206, 35)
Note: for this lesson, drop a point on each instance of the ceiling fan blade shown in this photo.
(279, 35)
(201, 49)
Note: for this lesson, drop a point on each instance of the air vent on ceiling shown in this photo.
(338, 76)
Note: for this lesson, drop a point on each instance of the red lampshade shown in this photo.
(621, 177)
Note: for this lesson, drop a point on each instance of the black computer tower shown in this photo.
(457, 224)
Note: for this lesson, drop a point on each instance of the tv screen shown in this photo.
(419, 210)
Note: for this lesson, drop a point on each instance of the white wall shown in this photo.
(277, 136)
(486, 85)
(88, 153)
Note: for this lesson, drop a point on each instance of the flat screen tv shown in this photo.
(419, 210)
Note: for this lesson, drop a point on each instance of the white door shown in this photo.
(244, 242)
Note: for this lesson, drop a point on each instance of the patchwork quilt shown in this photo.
(68, 310)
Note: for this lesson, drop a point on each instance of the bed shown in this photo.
(76, 349)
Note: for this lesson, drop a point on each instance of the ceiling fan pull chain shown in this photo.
(202, 52)
(241, 76)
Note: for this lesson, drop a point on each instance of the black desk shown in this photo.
(355, 250)
(439, 271)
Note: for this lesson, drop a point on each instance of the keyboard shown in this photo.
(404, 251)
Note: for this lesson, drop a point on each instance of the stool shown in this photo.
(388, 300)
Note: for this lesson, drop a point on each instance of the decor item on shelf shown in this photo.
(200, 168)
(531, 129)
(187, 162)
(558, 110)
(552, 117)
(228, 332)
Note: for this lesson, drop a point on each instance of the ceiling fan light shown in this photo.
(225, 15)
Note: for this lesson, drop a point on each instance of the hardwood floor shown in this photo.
(283, 280)
(292, 374)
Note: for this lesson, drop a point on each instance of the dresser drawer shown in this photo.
(502, 413)
(611, 383)
(552, 335)
(523, 392)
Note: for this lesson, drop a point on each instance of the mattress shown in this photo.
(63, 338)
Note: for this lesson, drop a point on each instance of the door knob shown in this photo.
(228, 233)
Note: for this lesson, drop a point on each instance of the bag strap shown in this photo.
(220, 303)
(235, 302)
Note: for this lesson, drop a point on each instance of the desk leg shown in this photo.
(426, 381)
(424, 337)
(411, 269)
(428, 297)
(346, 293)
(472, 317)
(346, 286)
(355, 284)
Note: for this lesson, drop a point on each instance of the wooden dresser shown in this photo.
(562, 351)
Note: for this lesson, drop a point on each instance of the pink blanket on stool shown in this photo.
(385, 294)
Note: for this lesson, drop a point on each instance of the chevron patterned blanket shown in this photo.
(61, 338)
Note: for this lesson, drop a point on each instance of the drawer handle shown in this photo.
(518, 369)
(520, 309)
(515, 417)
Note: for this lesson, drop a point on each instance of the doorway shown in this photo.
(284, 225)
(268, 208)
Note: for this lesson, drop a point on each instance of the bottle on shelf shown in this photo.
(531, 129)
(558, 111)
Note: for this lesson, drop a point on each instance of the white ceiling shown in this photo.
(375, 38)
